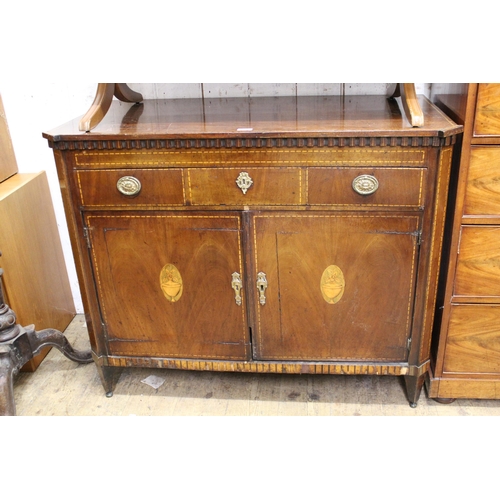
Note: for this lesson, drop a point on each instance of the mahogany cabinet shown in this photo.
(466, 350)
(273, 235)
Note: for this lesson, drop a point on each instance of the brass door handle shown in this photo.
(129, 186)
(237, 285)
(365, 185)
(261, 287)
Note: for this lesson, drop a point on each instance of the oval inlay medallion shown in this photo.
(171, 283)
(332, 284)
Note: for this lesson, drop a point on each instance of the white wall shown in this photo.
(34, 108)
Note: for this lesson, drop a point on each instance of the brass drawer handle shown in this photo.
(261, 287)
(244, 182)
(365, 185)
(129, 186)
(237, 285)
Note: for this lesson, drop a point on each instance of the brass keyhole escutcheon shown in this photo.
(332, 284)
(262, 287)
(237, 285)
(244, 182)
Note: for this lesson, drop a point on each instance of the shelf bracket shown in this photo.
(410, 102)
(102, 102)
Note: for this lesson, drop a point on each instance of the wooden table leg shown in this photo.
(18, 345)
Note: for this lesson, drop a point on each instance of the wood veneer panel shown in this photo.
(478, 266)
(371, 321)
(482, 195)
(35, 279)
(129, 253)
(8, 164)
(487, 121)
(473, 343)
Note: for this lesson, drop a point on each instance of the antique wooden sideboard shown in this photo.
(466, 351)
(269, 235)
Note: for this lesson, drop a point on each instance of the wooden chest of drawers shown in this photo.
(466, 351)
(274, 235)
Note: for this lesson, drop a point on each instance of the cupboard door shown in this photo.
(165, 284)
(334, 287)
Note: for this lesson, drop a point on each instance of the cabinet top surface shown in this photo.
(308, 116)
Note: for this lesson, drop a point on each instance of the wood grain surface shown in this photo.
(482, 195)
(487, 120)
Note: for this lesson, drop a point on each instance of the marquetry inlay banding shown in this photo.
(245, 157)
(316, 368)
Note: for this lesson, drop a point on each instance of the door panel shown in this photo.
(165, 284)
(338, 287)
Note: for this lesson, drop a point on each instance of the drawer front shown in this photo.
(240, 186)
(473, 343)
(483, 182)
(478, 265)
(377, 187)
(156, 187)
(487, 120)
(254, 157)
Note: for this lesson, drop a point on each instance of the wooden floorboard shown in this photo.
(61, 387)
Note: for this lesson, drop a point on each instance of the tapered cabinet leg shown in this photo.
(414, 386)
(109, 376)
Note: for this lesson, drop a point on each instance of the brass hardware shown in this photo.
(129, 186)
(171, 283)
(244, 182)
(261, 287)
(332, 284)
(365, 185)
(237, 284)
